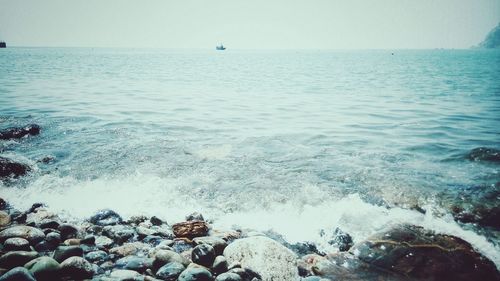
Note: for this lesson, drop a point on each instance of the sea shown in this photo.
(296, 143)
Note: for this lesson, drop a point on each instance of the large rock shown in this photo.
(17, 133)
(16, 258)
(17, 274)
(106, 217)
(10, 168)
(170, 271)
(44, 268)
(33, 235)
(190, 229)
(421, 254)
(265, 256)
(203, 254)
(77, 268)
(195, 274)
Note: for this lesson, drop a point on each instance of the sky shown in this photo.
(249, 24)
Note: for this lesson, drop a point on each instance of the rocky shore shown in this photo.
(37, 244)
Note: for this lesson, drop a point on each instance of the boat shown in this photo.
(220, 48)
(3, 44)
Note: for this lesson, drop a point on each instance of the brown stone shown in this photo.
(190, 229)
(4, 218)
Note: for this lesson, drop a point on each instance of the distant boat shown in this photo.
(220, 48)
(3, 44)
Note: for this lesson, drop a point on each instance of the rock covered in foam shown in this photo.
(265, 256)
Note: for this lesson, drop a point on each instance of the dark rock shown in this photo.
(44, 268)
(35, 206)
(19, 217)
(77, 268)
(53, 238)
(190, 229)
(484, 154)
(47, 159)
(67, 231)
(246, 274)
(342, 240)
(418, 253)
(16, 258)
(139, 264)
(48, 223)
(45, 246)
(220, 265)
(195, 274)
(106, 217)
(228, 276)
(46, 231)
(195, 217)
(64, 252)
(17, 133)
(9, 168)
(170, 271)
(203, 254)
(3, 204)
(16, 244)
(155, 220)
(119, 233)
(33, 235)
(17, 274)
(88, 240)
(96, 256)
(217, 243)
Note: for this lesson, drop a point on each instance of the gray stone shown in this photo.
(103, 242)
(170, 271)
(126, 275)
(16, 244)
(33, 235)
(77, 268)
(96, 256)
(119, 233)
(16, 258)
(44, 268)
(17, 274)
(64, 252)
(220, 265)
(139, 264)
(106, 217)
(195, 274)
(162, 257)
(217, 243)
(265, 256)
(53, 238)
(228, 276)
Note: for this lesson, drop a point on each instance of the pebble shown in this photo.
(170, 271)
(217, 243)
(220, 265)
(33, 235)
(4, 218)
(16, 258)
(119, 233)
(162, 257)
(195, 274)
(139, 264)
(17, 274)
(67, 231)
(64, 252)
(96, 256)
(103, 242)
(106, 217)
(203, 254)
(16, 244)
(44, 268)
(77, 268)
(126, 275)
(228, 276)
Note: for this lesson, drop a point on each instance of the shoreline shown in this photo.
(38, 243)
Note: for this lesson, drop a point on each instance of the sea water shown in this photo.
(294, 142)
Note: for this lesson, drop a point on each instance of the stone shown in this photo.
(153, 240)
(44, 268)
(195, 217)
(422, 254)
(265, 256)
(139, 264)
(53, 238)
(45, 246)
(181, 245)
(96, 256)
(16, 258)
(220, 265)
(228, 276)
(163, 231)
(155, 220)
(17, 133)
(144, 231)
(217, 243)
(72, 242)
(170, 271)
(162, 257)
(247, 274)
(77, 268)
(195, 274)
(88, 240)
(49, 223)
(17, 274)
(33, 235)
(484, 154)
(119, 233)
(67, 231)
(125, 275)
(128, 249)
(342, 240)
(4, 219)
(203, 254)
(64, 252)
(106, 217)
(103, 242)
(3, 204)
(16, 244)
(9, 168)
(190, 229)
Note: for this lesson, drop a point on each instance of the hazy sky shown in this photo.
(295, 24)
